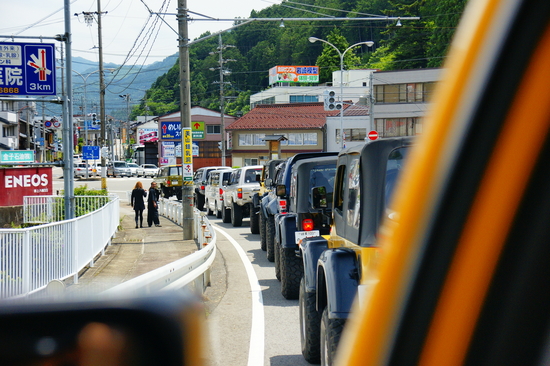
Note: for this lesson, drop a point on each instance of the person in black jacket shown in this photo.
(153, 206)
(138, 203)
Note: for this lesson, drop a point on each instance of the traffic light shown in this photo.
(330, 101)
(95, 121)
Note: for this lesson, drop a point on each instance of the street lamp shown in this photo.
(341, 54)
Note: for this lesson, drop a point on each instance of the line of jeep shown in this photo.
(318, 216)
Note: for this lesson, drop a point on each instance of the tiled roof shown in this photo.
(283, 117)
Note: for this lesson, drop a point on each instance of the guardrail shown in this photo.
(192, 271)
(46, 209)
(30, 258)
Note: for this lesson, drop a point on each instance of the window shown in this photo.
(213, 129)
(355, 134)
(300, 139)
(303, 98)
(394, 167)
(249, 139)
(251, 161)
(404, 93)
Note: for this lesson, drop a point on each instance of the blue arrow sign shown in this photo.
(27, 69)
(90, 152)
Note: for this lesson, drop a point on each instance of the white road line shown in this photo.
(256, 350)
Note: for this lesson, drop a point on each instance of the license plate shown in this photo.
(300, 235)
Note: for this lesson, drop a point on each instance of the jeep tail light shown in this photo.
(282, 205)
(239, 193)
(221, 194)
(168, 183)
(307, 224)
(202, 188)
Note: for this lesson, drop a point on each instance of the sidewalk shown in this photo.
(133, 252)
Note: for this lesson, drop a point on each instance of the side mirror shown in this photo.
(319, 197)
(281, 190)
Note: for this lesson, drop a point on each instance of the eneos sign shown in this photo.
(19, 182)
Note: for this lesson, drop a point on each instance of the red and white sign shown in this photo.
(373, 135)
(19, 182)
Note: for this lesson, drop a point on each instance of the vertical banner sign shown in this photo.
(187, 159)
(27, 69)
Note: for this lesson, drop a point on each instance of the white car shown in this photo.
(147, 170)
(80, 170)
(133, 169)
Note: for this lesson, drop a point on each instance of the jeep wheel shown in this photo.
(179, 195)
(218, 211)
(277, 259)
(166, 192)
(292, 271)
(270, 238)
(209, 212)
(310, 325)
(254, 221)
(262, 230)
(331, 330)
(226, 215)
(236, 215)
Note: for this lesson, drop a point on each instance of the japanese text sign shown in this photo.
(27, 69)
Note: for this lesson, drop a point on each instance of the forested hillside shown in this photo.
(261, 45)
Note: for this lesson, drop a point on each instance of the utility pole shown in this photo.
(223, 72)
(101, 97)
(126, 97)
(185, 116)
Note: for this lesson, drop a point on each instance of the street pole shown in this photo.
(185, 116)
(68, 121)
(341, 54)
(222, 100)
(101, 97)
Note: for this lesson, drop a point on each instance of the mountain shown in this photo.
(132, 80)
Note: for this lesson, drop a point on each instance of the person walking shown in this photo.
(138, 202)
(153, 206)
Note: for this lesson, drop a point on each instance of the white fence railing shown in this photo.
(30, 258)
(45, 209)
(192, 271)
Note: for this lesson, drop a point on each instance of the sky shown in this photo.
(121, 25)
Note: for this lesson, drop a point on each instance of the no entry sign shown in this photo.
(373, 135)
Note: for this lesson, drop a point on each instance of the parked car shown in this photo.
(200, 178)
(118, 169)
(302, 219)
(237, 201)
(214, 191)
(147, 170)
(80, 170)
(169, 181)
(133, 169)
(266, 184)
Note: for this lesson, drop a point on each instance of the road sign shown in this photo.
(17, 156)
(373, 135)
(197, 130)
(27, 69)
(90, 152)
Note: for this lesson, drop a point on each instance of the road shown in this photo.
(278, 332)
(248, 320)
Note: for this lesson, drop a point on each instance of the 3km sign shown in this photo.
(27, 69)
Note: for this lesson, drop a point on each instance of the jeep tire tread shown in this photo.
(310, 325)
(292, 271)
(262, 231)
(331, 331)
(270, 238)
(254, 220)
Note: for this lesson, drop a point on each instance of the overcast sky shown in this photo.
(121, 25)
